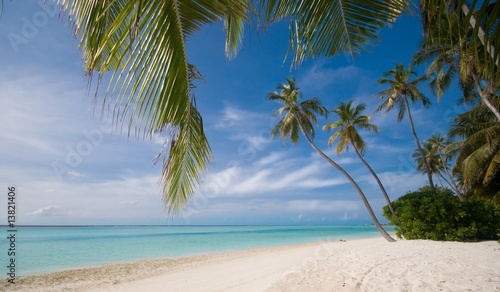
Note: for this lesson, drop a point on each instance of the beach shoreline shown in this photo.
(369, 264)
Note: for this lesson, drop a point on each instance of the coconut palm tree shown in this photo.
(478, 160)
(351, 120)
(480, 18)
(300, 116)
(433, 160)
(449, 53)
(438, 144)
(141, 47)
(400, 89)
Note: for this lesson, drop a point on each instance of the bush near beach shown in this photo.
(439, 215)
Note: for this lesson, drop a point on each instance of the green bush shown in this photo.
(440, 215)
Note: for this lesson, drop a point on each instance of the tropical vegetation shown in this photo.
(478, 153)
(401, 87)
(301, 117)
(350, 119)
(439, 215)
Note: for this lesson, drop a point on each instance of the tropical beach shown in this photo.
(346, 265)
(237, 145)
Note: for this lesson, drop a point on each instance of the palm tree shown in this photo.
(400, 89)
(433, 160)
(350, 119)
(300, 117)
(438, 144)
(480, 19)
(142, 44)
(450, 53)
(478, 160)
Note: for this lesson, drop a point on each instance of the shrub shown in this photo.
(425, 214)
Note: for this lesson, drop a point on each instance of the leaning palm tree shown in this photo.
(400, 89)
(438, 144)
(350, 119)
(300, 117)
(432, 159)
(141, 47)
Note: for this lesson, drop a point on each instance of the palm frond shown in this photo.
(329, 28)
(142, 46)
(188, 158)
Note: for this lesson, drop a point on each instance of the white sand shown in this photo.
(356, 265)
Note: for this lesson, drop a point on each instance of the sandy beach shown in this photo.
(352, 265)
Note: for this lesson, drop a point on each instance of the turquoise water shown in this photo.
(48, 249)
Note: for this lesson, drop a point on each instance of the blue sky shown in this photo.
(72, 168)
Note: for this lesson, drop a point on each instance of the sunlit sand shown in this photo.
(352, 265)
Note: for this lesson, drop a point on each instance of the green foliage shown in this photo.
(439, 215)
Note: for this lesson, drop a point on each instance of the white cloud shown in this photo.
(323, 205)
(74, 173)
(349, 216)
(233, 116)
(128, 200)
(267, 178)
(49, 211)
(396, 184)
(271, 158)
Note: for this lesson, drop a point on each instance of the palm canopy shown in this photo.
(142, 46)
(444, 50)
(327, 28)
(484, 38)
(350, 119)
(432, 158)
(478, 161)
(439, 144)
(450, 52)
(297, 115)
(400, 88)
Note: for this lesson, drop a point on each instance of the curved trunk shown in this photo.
(365, 201)
(454, 186)
(376, 178)
(484, 98)
(427, 168)
(442, 176)
(440, 182)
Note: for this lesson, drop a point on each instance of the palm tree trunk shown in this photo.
(376, 178)
(485, 98)
(440, 182)
(442, 176)
(365, 201)
(489, 47)
(454, 186)
(427, 168)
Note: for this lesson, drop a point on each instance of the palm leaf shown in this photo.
(328, 28)
(142, 45)
(189, 156)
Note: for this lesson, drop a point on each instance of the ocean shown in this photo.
(41, 250)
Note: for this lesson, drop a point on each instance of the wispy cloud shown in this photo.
(271, 158)
(319, 76)
(272, 174)
(49, 211)
(233, 116)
